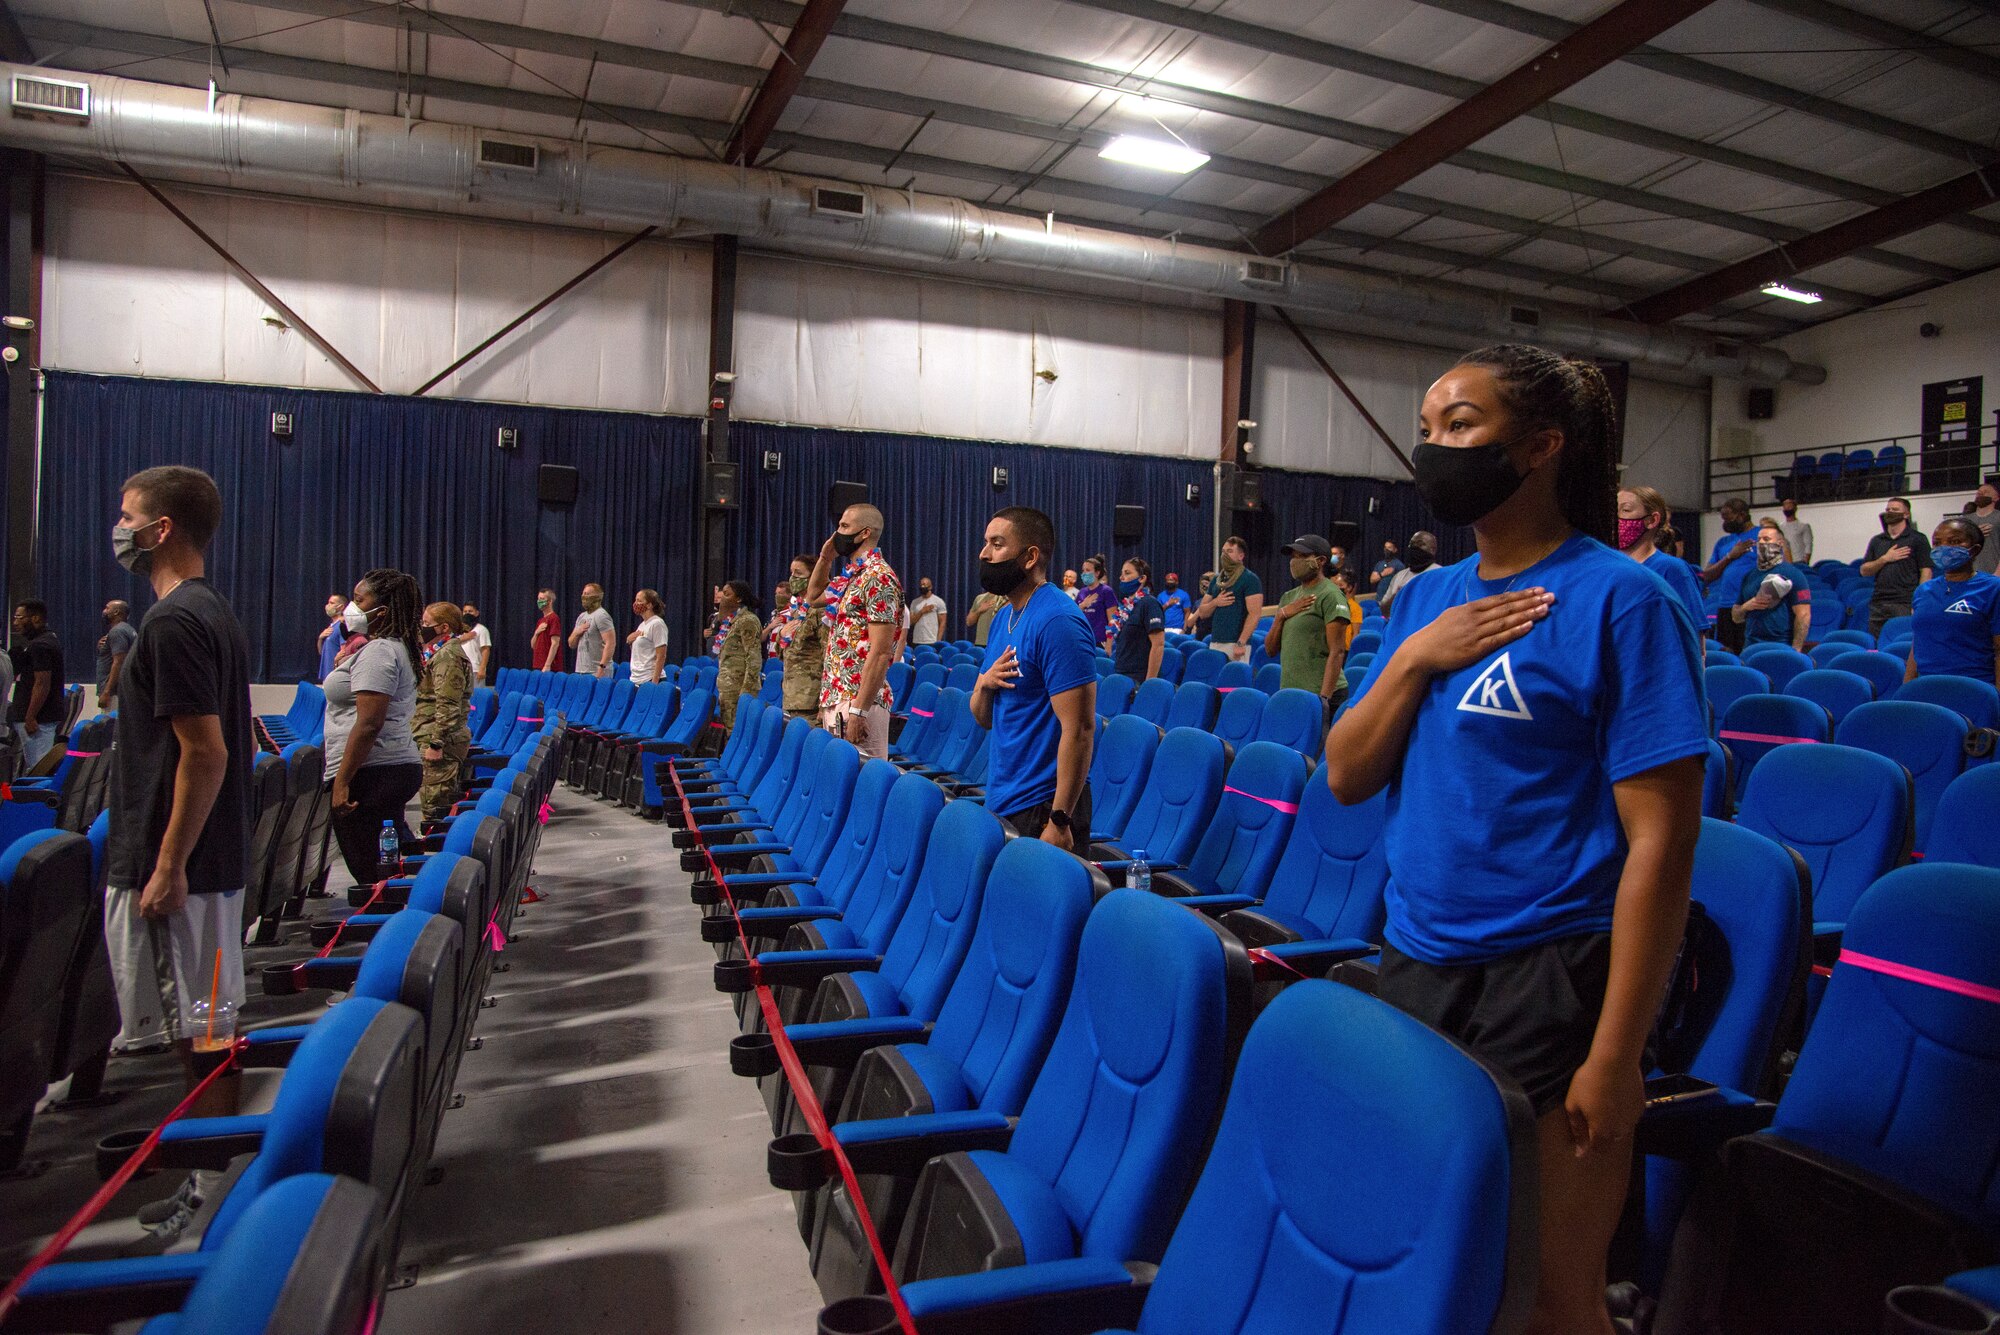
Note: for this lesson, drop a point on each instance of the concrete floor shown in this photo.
(606, 1173)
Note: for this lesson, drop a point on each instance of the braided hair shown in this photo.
(403, 609)
(1545, 390)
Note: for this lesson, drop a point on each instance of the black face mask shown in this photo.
(470, 622)
(845, 543)
(1418, 560)
(1463, 486)
(1001, 577)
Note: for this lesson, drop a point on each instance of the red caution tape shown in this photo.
(1265, 962)
(10, 1297)
(802, 1092)
(334, 940)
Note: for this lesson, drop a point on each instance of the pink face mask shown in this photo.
(1629, 532)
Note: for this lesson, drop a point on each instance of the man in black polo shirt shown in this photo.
(1898, 559)
(36, 710)
(180, 783)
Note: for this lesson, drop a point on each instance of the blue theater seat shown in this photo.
(1296, 719)
(1239, 850)
(1114, 693)
(1878, 1168)
(1836, 690)
(1173, 809)
(1194, 707)
(1927, 740)
(1718, 782)
(1240, 717)
(1883, 671)
(1118, 770)
(48, 910)
(1758, 724)
(1977, 700)
(1108, 1143)
(1270, 678)
(1777, 662)
(1960, 831)
(1429, 1232)
(1846, 812)
(1726, 683)
(1203, 664)
(1152, 701)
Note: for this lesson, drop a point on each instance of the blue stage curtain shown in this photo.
(368, 481)
(1298, 503)
(937, 495)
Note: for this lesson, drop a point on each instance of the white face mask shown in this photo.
(355, 619)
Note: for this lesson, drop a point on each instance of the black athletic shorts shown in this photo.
(1533, 1013)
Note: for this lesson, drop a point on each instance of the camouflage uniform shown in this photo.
(444, 702)
(740, 667)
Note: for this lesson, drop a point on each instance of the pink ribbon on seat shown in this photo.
(1773, 738)
(1910, 974)
(494, 937)
(1289, 808)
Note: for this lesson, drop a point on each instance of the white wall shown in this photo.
(1876, 367)
(1841, 529)
(1304, 421)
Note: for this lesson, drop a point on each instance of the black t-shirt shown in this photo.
(41, 654)
(1134, 645)
(191, 659)
(1898, 580)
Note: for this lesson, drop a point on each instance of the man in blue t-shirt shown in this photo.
(1037, 689)
(1731, 560)
(1175, 603)
(1766, 615)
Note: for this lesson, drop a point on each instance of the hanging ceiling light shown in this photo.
(1798, 294)
(1158, 154)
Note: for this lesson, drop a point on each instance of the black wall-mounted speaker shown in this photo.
(719, 485)
(1128, 523)
(558, 484)
(843, 494)
(1242, 491)
(1760, 403)
(1344, 534)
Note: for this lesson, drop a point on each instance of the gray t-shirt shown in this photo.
(1799, 534)
(1988, 559)
(382, 666)
(590, 653)
(118, 640)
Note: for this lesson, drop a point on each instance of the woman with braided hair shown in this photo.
(1536, 716)
(373, 767)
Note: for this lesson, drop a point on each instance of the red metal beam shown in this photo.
(1959, 195)
(814, 22)
(1582, 53)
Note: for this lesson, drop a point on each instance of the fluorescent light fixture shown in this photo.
(1797, 294)
(1158, 154)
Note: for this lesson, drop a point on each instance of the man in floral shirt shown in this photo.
(863, 602)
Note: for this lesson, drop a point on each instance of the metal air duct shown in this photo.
(265, 144)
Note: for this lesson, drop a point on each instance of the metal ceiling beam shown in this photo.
(801, 45)
(1328, 55)
(1076, 72)
(1502, 14)
(1907, 215)
(1594, 46)
(1839, 18)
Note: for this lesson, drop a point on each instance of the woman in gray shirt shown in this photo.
(373, 768)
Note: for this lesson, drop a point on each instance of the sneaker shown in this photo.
(176, 1210)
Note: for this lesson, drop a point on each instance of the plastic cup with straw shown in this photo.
(215, 1018)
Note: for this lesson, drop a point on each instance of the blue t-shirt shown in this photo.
(1053, 649)
(1722, 593)
(1174, 605)
(1955, 625)
(1686, 585)
(1134, 645)
(1502, 833)
(330, 650)
(1773, 625)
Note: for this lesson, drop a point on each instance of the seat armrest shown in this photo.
(903, 1145)
(273, 1046)
(97, 1295)
(1312, 958)
(353, 929)
(766, 880)
(773, 923)
(804, 968)
(1079, 1295)
(209, 1142)
(1697, 1128)
(1214, 905)
(1826, 938)
(841, 1042)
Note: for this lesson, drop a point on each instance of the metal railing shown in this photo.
(1926, 464)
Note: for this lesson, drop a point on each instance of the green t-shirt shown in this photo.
(1226, 623)
(1302, 650)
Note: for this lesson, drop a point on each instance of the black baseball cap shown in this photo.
(1312, 544)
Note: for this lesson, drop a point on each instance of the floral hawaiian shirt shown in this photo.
(866, 591)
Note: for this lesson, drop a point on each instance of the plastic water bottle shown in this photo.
(389, 851)
(1140, 874)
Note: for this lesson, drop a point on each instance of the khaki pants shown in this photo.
(444, 780)
(1238, 653)
(868, 730)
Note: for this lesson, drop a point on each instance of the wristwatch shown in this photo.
(1059, 819)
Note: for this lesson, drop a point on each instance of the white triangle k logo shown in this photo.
(1962, 607)
(1495, 693)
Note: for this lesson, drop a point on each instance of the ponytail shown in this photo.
(1546, 390)
(403, 603)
